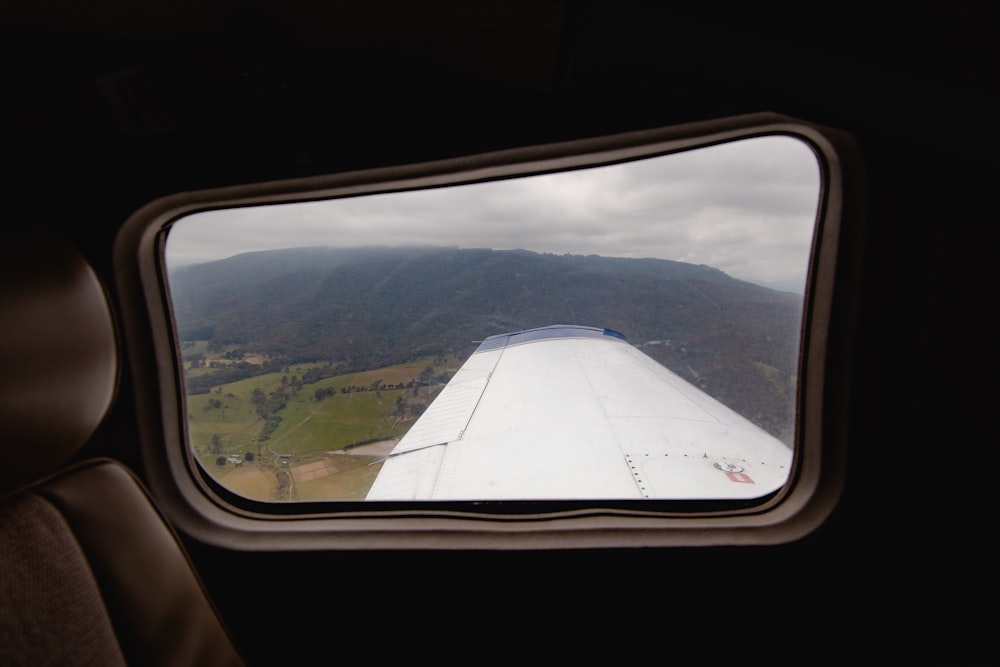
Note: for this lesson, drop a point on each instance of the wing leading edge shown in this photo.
(572, 412)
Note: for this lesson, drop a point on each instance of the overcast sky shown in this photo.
(747, 208)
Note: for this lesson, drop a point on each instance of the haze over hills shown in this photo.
(375, 306)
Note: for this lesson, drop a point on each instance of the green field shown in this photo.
(305, 451)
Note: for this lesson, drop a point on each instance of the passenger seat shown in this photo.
(91, 571)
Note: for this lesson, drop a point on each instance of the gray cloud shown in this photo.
(746, 208)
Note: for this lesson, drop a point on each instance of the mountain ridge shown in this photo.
(376, 305)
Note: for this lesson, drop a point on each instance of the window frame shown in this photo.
(207, 512)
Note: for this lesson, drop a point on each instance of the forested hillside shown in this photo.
(370, 307)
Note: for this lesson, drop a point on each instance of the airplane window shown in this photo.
(629, 330)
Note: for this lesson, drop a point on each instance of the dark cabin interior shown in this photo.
(109, 106)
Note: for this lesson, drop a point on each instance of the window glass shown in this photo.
(629, 330)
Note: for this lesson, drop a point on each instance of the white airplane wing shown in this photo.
(572, 412)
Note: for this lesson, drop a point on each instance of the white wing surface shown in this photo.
(571, 412)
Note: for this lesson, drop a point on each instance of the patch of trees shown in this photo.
(203, 384)
(324, 393)
(268, 406)
(271, 423)
(320, 373)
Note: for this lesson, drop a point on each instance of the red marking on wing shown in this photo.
(739, 477)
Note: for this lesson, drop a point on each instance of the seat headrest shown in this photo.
(58, 356)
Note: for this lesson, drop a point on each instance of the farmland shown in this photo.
(273, 437)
